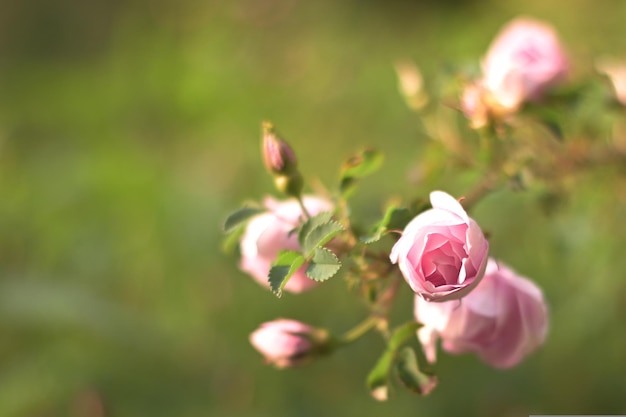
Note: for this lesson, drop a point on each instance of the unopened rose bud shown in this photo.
(287, 343)
(278, 156)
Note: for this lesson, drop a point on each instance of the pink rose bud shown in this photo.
(288, 343)
(269, 233)
(503, 320)
(278, 156)
(442, 253)
(524, 60)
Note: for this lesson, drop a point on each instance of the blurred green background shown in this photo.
(128, 131)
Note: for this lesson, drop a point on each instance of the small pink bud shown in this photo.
(278, 156)
(287, 343)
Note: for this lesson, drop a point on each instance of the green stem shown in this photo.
(359, 330)
(485, 186)
(304, 210)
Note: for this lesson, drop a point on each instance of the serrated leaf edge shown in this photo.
(308, 251)
(339, 265)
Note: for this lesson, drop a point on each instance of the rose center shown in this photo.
(442, 260)
(529, 55)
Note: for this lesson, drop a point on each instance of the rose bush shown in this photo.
(284, 343)
(269, 233)
(442, 253)
(502, 320)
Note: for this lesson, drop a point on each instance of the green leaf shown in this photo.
(311, 224)
(378, 378)
(233, 238)
(319, 235)
(375, 237)
(282, 269)
(240, 216)
(362, 164)
(324, 265)
(395, 218)
(398, 217)
(401, 334)
(358, 166)
(411, 376)
(553, 126)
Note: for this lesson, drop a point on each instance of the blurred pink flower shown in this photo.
(524, 60)
(474, 106)
(502, 320)
(284, 343)
(442, 253)
(268, 233)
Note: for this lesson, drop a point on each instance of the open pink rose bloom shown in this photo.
(268, 233)
(283, 342)
(442, 253)
(502, 320)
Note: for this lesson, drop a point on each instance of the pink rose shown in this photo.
(442, 253)
(285, 343)
(268, 233)
(503, 320)
(522, 62)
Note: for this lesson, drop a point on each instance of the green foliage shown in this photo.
(319, 235)
(378, 378)
(323, 263)
(323, 266)
(410, 374)
(359, 166)
(312, 223)
(395, 218)
(282, 269)
(240, 216)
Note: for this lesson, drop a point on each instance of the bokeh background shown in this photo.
(129, 130)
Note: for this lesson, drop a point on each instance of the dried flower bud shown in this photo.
(278, 156)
